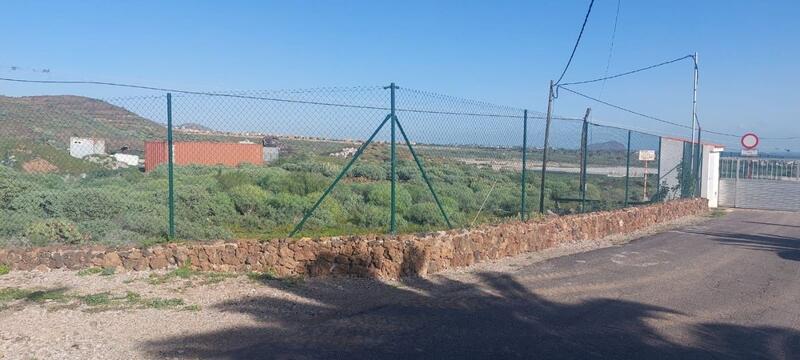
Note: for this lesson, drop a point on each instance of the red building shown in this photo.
(202, 153)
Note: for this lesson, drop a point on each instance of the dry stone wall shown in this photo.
(380, 256)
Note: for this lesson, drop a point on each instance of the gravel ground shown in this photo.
(80, 315)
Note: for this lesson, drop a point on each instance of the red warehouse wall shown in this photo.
(203, 153)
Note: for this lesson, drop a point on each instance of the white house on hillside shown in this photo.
(81, 147)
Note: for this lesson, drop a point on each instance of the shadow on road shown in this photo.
(771, 224)
(785, 247)
(498, 317)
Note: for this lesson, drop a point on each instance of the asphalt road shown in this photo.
(728, 288)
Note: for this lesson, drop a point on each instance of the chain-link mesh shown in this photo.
(264, 164)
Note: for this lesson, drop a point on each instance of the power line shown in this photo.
(624, 109)
(611, 47)
(629, 72)
(575, 48)
(703, 130)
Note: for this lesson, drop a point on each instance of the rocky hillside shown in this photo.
(53, 119)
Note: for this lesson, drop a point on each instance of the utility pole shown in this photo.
(546, 145)
(694, 109)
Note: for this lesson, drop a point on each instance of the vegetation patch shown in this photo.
(185, 272)
(4, 269)
(102, 301)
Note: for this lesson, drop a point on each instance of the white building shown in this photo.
(81, 147)
(127, 159)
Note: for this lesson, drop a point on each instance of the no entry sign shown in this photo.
(749, 141)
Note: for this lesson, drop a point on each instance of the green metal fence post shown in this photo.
(424, 174)
(658, 171)
(627, 169)
(698, 161)
(522, 211)
(170, 171)
(358, 153)
(584, 156)
(393, 207)
(546, 145)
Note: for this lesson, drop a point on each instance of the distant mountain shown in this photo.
(194, 127)
(53, 119)
(607, 146)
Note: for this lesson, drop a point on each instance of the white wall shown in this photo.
(709, 175)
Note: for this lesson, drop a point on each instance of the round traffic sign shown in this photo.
(749, 141)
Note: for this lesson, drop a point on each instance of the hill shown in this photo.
(53, 119)
(194, 127)
(607, 146)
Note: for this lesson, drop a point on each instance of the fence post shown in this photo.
(584, 155)
(698, 161)
(393, 207)
(523, 212)
(658, 172)
(627, 169)
(170, 171)
(546, 144)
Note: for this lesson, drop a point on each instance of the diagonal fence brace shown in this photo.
(422, 171)
(358, 153)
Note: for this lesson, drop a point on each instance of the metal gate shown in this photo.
(770, 184)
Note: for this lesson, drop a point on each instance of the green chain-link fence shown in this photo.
(309, 163)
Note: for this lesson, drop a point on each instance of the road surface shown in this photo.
(726, 288)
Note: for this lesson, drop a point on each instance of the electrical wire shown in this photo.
(624, 109)
(629, 72)
(575, 48)
(611, 48)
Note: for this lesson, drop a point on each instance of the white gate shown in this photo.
(770, 184)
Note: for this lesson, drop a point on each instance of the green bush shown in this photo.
(232, 179)
(426, 213)
(369, 170)
(58, 231)
(248, 199)
(381, 195)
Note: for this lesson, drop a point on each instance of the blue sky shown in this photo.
(498, 51)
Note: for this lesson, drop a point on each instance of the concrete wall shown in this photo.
(380, 256)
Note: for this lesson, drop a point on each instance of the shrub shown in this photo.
(49, 231)
(196, 203)
(381, 195)
(248, 199)
(12, 186)
(371, 216)
(147, 224)
(120, 237)
(426, 213)
(96, 229)
(369, 170)
(232, 179)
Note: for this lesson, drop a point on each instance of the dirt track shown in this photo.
(725, 288)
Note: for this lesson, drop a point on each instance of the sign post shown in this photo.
(646, 155)
(749, 143)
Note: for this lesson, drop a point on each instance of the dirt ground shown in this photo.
(98, 315)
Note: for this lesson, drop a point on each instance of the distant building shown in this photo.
(345, 153)
(202, 153)
(80, 147)
(271, 153)
(127, 159)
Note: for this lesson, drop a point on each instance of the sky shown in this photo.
(503, 52)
